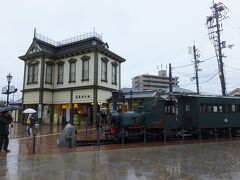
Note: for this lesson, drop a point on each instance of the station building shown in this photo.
(69, 80)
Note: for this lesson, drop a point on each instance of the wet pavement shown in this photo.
(174, 160)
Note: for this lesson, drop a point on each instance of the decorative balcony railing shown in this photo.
(69, 40)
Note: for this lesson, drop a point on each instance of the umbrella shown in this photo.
(29, 110)
(9, 108)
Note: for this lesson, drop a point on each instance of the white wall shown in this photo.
(31, 97)
(103, 95)
(61, 97)
(47, 97)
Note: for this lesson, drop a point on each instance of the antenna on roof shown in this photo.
(35, 31)
(93, 29)
(161, 66)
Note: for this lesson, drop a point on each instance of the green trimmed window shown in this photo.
(60, 73)
(49, 70)
(104, 71)
(72, 70)
(114, 73)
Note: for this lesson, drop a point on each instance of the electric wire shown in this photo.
(193, 63)
(209, 79)
(202, 82)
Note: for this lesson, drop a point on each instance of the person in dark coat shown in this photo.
(5, 120)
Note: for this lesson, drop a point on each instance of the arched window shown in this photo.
(72, 70)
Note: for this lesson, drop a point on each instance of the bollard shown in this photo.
(34, 140)
(98, 139)
(230, 132)
(183, 137)
(122, 136)
(165, 136)
(216, 136)
(70, 140)
(145, 136)
(199, 133)
(75, 137)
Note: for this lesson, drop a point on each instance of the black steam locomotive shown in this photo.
(185, 115)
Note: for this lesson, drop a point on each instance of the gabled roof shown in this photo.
(40, 46)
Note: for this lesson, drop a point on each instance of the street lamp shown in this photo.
(9, 89)
(9, 79)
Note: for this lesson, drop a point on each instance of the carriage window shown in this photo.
(202, 108)
(166, 109)
(209, 108)
(187, 108)
(220, 108)
(173, 109)
(215, 109)
(233, 108)
(169, 109)
(227, 108)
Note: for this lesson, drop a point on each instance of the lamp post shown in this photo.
(130, 108)
(9, 79)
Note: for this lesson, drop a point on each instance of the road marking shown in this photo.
(45, 135)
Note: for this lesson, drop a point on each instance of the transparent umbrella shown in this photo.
(29, 110)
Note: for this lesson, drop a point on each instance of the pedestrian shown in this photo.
(31, 123)
(5, 120)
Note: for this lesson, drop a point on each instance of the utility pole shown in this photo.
(214, 25)
(196, 55)
(170, 79)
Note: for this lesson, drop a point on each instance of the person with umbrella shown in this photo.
(5, 120)
(31, 119)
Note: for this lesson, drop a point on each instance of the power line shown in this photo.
(209, 74)
(202, 82)
(188, 84)
(183, 66)
(208, 59)
(193, 63)
(209, 79)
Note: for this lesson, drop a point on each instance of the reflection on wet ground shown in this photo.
(212, 160)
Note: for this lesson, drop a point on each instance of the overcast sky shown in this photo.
(149, 34)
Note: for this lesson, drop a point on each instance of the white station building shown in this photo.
(69, 80)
